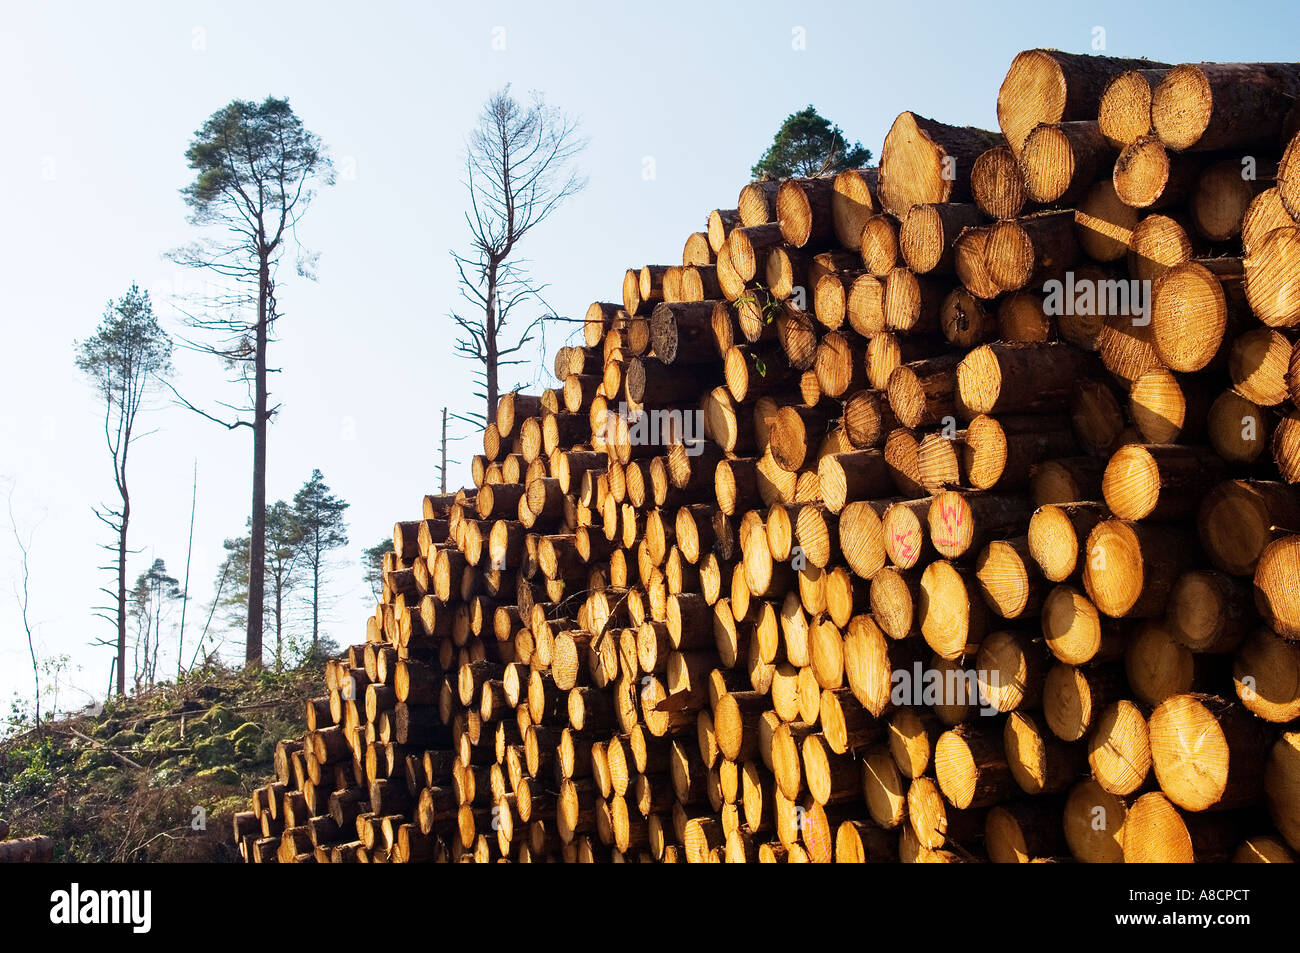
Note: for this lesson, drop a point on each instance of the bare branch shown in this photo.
(229, 425)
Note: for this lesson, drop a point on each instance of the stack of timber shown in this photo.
(941, 512)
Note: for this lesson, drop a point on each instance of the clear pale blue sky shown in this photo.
(100, 101)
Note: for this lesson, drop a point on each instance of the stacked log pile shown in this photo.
(944, 511)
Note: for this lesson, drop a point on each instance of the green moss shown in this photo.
(219, 719)
(105, 728)
(221, 774)
(164, 734)
(246, 730)
(91, 758)
(126, 738)
(215, 750)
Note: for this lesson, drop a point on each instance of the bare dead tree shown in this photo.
(185, 592)
(442, 453)
(22, 592)
(520, 167)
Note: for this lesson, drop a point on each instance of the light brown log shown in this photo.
(938, 462)
(1039, 762)
(1009, 579)
(1273, 277)
(1147, 175)
(969, 263)
(960, 522)
(1131, 567)
(887, 350)
(720, 223)
(1028, 251)
(1158, 665)
(1119, 749)
(1282, 786)
(880, 245)
(1095, 824)
(1190, 313)
(1103, 224)
(1209, 106)
(1208, 753)
(1124, 112)
(1002, 378)
(924, 393)
(934, 823)
(1221, 195)
(749, 246)
(924, 161)
(1157, 244)
(840, 365)
(1074, 698)
(1266, 676)
(1286, 447)
(952, 615)
(1060, 160)
(1007, 453)
(1056, 536)
(1159, 481)
(857, 475)
(697, 250)
(1052, 86)
(997, 183)
(853, 201)
(1239, 518)
(1258, 364)
(1209, 611)
(912, 301)
(862, 842)
(1158, 406)
(757, 203)
(1276, 595)
(1267, 210)
(929, 232)
(867, 418)
(1155, 831)
(893, 598)
(803, 210)
(1074, 630)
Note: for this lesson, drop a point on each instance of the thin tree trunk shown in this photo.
(189, 551)
(443, 469)
(257, 543)
(121, 594)
(490, 343)
(151, 659)
(279, 623)
(315, 600)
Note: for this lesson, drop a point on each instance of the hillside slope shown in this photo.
(154, 778)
